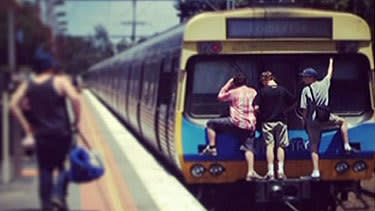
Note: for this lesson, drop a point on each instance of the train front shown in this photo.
(284, 41)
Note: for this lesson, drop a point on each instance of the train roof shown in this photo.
(167, 39)
(346, 26)
(204, 27)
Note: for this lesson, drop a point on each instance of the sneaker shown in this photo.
(350, 150)
(281, 176)
(209, 151)
(315, 175)
(269, 176)
(253, 176)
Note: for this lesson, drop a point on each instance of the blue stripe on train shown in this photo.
(228, 144)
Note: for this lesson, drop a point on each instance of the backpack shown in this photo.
(322, 111)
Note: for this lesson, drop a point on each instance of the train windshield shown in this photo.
(349, 92)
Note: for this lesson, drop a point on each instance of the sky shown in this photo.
(83, 16)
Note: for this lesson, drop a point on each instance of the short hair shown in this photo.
(239, 79)
(267, 76)
(42, 60)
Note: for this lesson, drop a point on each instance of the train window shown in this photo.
(154, 80)
(350, 84)
(207, 74)
(147, 83)
(164, 83)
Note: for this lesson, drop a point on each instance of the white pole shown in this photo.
(6, 171)
(134, 4)
(5, 177)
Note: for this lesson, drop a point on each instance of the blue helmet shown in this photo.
(84, 166)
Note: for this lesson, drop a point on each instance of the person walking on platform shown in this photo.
(273, 102)
(241, 120)
(50, 126)
(316, 93)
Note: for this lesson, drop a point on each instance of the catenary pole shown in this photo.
(6, 171)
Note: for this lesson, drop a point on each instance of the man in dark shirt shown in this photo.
(273, 102)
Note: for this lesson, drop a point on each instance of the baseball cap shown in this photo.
(43, 59)
(309, 72)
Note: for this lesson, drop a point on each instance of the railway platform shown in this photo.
(134, 180)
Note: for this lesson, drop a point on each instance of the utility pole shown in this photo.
(134, 21)
(6, 171)
(134, 3)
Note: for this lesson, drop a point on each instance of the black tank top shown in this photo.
(48, 110)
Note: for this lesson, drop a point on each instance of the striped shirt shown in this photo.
(242, 112)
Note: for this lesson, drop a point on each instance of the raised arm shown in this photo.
(330, 68)
(224, 94)
(15, 101)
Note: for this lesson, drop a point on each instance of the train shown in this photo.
(165, 89)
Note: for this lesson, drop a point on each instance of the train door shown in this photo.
(128, 92)
(172, 106)
(139, 95)
(123, 90)
(148, 101)
(162, 105)
(160, 113)
(134, 95)
(166, 105)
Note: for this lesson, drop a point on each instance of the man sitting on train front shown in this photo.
(242, 119)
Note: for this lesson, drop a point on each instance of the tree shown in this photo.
(30, 33)
(79, 53)
(102, 42)
(123, 45)
(189, 8)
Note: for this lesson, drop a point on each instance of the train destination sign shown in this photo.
(279, 27)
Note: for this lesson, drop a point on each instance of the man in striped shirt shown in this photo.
(241, 119)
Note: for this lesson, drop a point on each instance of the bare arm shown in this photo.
(69, 91)
(16, 98)
(330, 68)
(224, 94)
(304, 114)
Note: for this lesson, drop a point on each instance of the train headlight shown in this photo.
(198, 170)
(359, 166)
(216, 169)
(342, 167)
(276, 191)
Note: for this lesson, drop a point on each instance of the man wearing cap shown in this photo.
(318, 92)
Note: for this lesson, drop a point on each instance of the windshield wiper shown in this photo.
(235, 66)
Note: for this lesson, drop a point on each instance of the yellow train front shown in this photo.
(166, 90)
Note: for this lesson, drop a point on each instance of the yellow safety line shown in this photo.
(108, 178)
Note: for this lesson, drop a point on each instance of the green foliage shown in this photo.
(123, 45)
(32, 30)
(79, 53)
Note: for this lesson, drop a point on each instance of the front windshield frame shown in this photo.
(296, 62)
